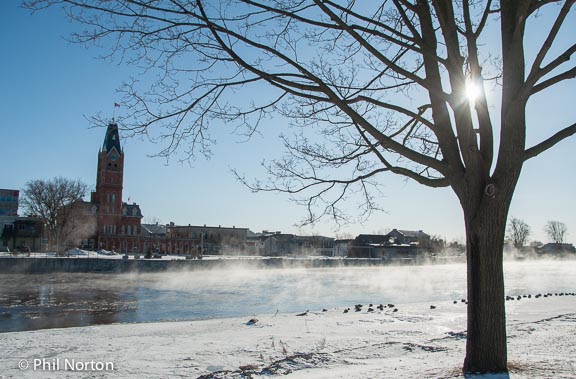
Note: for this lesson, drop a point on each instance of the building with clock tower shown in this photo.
(118, 223)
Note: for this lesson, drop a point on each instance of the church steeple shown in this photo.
(112, 139)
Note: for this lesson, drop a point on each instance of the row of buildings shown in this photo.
(107, 222)
(131, 236)
(26, 234)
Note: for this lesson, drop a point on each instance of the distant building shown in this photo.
(153, 237)
(211, 239)
(556, 248)
(107, 222)
(119, 226)
(408, 237)
(342, 247)
(23, 235)
(255, 242)
(8, 210)
(290, 244)
(396, 245)
(9, 202)
(118, 223)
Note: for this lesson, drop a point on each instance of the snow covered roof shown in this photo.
(153, 229)
(413, 233)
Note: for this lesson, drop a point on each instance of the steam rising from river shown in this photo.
(290, 290)
(58, 300)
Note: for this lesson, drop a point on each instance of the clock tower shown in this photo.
(118, 223)
(108, 194)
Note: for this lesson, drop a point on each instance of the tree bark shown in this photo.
(486, 333)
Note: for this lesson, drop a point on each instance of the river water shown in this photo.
(29, 302)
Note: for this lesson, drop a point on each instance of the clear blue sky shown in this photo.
(48, 86)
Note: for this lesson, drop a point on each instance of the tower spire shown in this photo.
(112, 139)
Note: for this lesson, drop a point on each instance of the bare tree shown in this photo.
(556, 230)
(374, 87)
(57, 203)
(152, 220)
(518, 232)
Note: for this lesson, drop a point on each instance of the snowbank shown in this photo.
(415, 341)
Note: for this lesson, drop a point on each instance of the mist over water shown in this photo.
(73, 299)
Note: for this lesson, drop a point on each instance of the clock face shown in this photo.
(113, 157)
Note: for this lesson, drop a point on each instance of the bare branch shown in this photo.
(550, 142)
(569, 74)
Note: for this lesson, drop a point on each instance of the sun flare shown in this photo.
(472, 91)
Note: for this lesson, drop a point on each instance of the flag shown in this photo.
(116, 105)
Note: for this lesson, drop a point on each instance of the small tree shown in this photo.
(57, 203)
(556, 230)
(518, 232)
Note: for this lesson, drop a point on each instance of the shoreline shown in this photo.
(42, 265)
(415, 341)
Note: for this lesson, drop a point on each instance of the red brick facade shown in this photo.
(118, 223)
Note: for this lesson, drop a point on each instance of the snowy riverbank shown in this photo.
(41, 263)
(416, 341)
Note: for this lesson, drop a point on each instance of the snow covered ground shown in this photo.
(103, 254)
(416, 341)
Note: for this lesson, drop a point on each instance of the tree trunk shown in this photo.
(486, 334)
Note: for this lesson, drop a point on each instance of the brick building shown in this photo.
(118, 223)
(119, 226)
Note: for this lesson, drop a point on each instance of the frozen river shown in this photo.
(30, 302)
